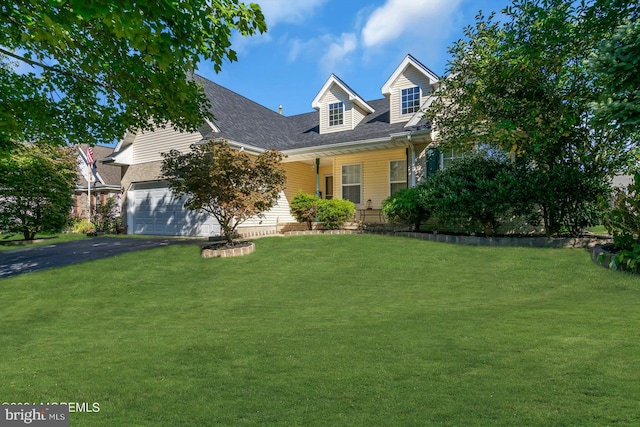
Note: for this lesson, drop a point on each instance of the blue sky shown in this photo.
(362, 42)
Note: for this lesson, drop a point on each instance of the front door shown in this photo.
(328, 187)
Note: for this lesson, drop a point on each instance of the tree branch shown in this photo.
(57, 70)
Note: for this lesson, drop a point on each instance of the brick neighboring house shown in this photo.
(347, 148)
(106, 181)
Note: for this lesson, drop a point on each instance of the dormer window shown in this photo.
(336, 114)
(339, 107)
(410, 100)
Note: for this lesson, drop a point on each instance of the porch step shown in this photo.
(293, 226)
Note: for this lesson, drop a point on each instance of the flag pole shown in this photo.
(89, 195)
(90, 161)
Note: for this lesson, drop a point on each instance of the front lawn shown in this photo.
(328, 331)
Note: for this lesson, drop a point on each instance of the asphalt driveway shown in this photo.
(24, 260)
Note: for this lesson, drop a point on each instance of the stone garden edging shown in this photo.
(536, 242)
(227, 252)
(593, 244)
(601, 257)
(310, 232)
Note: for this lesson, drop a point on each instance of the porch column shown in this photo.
(317, 176)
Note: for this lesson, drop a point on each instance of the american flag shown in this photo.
(90, 158)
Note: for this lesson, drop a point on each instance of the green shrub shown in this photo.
(105, 215)
(406, 207)
(622, 215)
(567, 197)
(627, 259)
(334, 213)
(83, 226)
(304, 207)
(72, 220)
(480, 192)
(622, 221)
(474, 194)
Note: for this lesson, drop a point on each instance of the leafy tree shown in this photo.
(36, 188)
(80, 71)
(522, 85)
(615, 64)
(568, 197)
(224, 182)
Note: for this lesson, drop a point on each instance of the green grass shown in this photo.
(6, 239)
(599, 229)
(327, 331)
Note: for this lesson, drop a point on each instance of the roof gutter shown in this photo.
(415, 134)
(251, 149)
(369, 143)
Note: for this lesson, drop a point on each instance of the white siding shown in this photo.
(148, 146)
(358, 115)
(279, 214)
(333, 95)
(411, 77)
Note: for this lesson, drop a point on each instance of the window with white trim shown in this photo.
(448, 156)
(397, 175)
(410, 100)
(336, 114)
(352, 183)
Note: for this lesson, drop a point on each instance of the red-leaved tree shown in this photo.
(227, 183)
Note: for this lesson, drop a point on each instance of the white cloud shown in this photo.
(242, 44)
(276, 11)
(334, 51)
(399, 17)
(298, 48)
(338, 51)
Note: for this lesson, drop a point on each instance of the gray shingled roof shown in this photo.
(375, 125)
(243, 120)
(109, 173)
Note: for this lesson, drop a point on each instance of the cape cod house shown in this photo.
(347, 148)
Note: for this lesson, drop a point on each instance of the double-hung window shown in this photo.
(397, 175)
(410, 100)
(448, 156)
(352, 183)
(336, 114)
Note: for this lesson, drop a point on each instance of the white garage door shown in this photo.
(154, 210)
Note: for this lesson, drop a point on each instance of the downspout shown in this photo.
(412, 160)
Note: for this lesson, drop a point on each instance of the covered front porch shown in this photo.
(365, 173)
